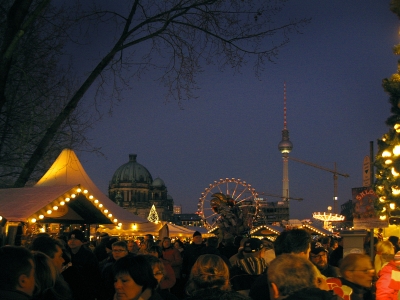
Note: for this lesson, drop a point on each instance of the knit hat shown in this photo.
(76, 234)
(317, 247)
(252, 245)
(196, 233)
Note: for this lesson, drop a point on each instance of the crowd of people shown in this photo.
(294, 266)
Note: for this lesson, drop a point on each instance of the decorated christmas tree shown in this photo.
(153, 216)
(387, 160)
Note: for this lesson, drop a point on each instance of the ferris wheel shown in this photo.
(229, 193)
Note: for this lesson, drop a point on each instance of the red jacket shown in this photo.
(173, 256)
(387, 286)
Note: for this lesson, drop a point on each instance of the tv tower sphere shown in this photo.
(285, 145)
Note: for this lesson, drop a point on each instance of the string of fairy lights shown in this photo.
(54, 206)
(387, 183)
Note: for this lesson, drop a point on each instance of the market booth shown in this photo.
(266, 231)
(65, 198)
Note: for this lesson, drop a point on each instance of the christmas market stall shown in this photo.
(268, 231)
(317, 231)
(65, 198)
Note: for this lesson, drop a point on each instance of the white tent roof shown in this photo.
(67, 169)
(20, 203)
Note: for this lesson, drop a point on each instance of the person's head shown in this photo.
(325, 241)
(104, 237)
(109, 244)
(51, 247)
(178, 244)
(17, 269)
(289, 273)
(75, 239)
(166, 242)
(157, 266)
(156, 251)
(386, 250)
(197, 238)
(45, 273)
(119, 249)
(334, 243)
(133, 275)
(212, 242)
(209, 271)
(295, 241)
(146, 245)
(132, 246)
(252, 247)
(148, 237)
(319, 255)
(357, 268)
(394, 240)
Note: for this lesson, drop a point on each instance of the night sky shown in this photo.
(335, 107)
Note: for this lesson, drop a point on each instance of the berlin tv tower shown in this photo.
(285, 146)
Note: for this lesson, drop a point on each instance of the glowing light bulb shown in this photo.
(67, 199)
(100, 205)
(115, 220)
(96, 201)
(49, 212)
(55, 207)
(62, 203)
(106, 211)
(109, 215)
(386, 153)
(395, 190)
(79, 190)
(91, 197)
(392, 205)
(85, 191)
(382, 217)
(41, 217)
(388, 162)
(33, 220)
(396, 150)
(73, 196)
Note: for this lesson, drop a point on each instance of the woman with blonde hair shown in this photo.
(384, 254)
(210, 277)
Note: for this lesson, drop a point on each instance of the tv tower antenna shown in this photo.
(285, 146)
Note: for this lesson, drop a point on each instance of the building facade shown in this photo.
(132, 187)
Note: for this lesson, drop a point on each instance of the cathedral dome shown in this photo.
(132, 172)
(158, 182)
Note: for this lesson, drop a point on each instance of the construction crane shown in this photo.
(335, 177)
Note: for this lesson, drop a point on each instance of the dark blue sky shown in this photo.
(336, 106)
